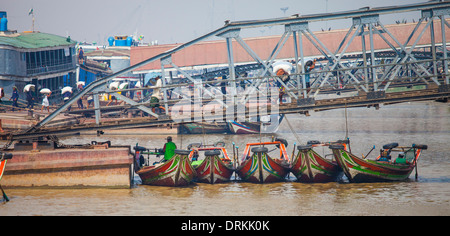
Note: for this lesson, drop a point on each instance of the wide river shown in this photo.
(406, 123)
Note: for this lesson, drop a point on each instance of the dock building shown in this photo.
(32, 57)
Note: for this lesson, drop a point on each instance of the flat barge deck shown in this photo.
(41, 164)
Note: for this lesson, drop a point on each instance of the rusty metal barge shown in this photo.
(47, 163)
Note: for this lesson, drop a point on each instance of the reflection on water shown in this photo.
(288, 198)
(424, 122)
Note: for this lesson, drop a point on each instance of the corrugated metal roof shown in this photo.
(35, 40)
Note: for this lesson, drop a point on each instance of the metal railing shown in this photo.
(49, 69)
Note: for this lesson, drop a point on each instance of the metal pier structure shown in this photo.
(409, 66)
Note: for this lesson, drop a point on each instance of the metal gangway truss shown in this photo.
(369, 74)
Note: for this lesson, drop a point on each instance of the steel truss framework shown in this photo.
(366, 75)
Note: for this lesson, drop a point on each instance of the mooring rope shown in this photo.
(292, 130)
(346, 122)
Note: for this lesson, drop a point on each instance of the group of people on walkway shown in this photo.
(155, 96)
(31, 99)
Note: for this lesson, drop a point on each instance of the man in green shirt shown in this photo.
(169, 149)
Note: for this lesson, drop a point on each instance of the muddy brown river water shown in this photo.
(407, 123)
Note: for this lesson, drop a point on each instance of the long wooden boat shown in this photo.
(215, 168)
(383, 168)
(254, 127)
(175, 172)
(259, 167)
(203, 127)
(310, 167)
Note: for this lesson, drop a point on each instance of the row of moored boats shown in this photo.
(268, 162)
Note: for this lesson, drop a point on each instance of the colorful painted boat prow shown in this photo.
(216, 167)
(383, 168)
(244, 127)
(259, 167)
(4, 157)
(267, 124)
(175, 172)
(310, 167)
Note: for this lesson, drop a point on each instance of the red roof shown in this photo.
(215, 52)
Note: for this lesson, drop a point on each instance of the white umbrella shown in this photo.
(45, 90)
(114, 85)
(81, 82)
(66, 89)
(28, 87)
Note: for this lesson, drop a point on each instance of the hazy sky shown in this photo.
(171, 21)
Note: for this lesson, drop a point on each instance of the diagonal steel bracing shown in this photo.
(256, 83)
(359, 74)
(335, 59)
(330, 56)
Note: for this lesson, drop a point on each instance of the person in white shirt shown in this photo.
(46, 103)
(156, 95)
